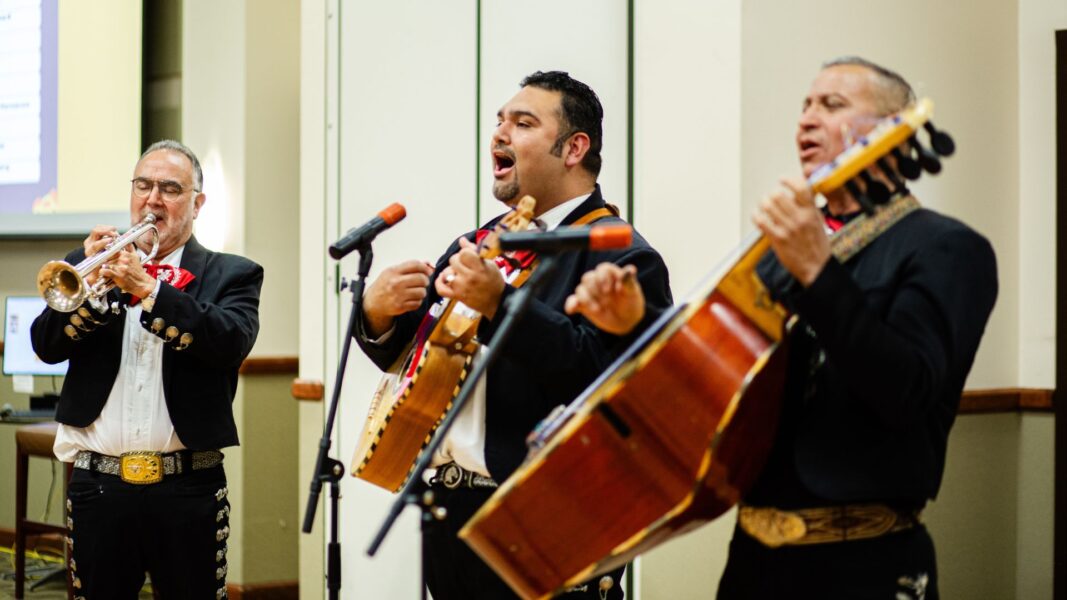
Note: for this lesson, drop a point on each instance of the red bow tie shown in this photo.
(175, 276)
(516, 259)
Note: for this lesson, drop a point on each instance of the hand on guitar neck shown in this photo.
(399, 289)
(795, 229)
(472, 280)
(610, 297)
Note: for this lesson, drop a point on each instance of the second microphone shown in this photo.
(597, 237)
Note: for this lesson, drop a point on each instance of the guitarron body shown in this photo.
(669, 440)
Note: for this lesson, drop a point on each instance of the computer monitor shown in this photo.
(19, 357)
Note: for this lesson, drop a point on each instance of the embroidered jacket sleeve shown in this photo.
(219, 328)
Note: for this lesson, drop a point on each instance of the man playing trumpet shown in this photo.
(146, 404)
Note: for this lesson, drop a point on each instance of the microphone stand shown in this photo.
(416, 491)
(328, 469)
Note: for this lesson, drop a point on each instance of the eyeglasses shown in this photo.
(168, 190)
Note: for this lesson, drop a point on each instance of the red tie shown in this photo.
(516, 259)
(175, 276)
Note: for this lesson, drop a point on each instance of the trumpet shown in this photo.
(63, 285)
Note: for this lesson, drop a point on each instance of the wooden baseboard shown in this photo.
(307, 389)
(274, 590)
(1001, 400)
(270, 365)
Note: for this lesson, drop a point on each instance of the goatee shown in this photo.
(506, 192)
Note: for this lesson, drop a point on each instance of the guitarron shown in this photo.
(413, 397)
(678, 428)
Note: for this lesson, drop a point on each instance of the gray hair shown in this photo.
(198, 173)
(896, 91)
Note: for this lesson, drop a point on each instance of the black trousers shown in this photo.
(899, 566)
(175, 530)
(455, 572)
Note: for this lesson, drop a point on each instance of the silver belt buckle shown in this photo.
(451, 475)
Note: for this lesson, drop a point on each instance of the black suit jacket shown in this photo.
(219, 310)
(878, 365)
(551, 357)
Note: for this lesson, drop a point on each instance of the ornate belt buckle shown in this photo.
(451, 476)
(772, 527)
(141, 467)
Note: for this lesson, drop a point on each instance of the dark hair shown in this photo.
(897, 92)
(175, 146)
(580, 112)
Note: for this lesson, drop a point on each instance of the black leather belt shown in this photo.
(453, 476)
(147, 467)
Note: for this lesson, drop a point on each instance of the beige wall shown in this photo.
(312, 266)
(99, 103)
(240, 100)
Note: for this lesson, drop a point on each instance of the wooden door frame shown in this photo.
(1059, 402)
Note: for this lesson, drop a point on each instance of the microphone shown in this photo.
(365, 233)
(600, 237)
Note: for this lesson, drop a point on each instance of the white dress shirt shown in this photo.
(135, 416)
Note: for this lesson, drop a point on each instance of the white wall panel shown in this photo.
(687, 202)
(586, 39)
(312, 273)
(405, 123)
(1038, 20)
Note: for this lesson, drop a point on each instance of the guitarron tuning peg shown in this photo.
(890, 173)
(877, 190)
(940, 141)
(927, 159)
(908, 166)
(857, 193)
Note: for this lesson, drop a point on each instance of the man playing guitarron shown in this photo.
(877, 363)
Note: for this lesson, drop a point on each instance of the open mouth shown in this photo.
(807, 148)
(503, 162)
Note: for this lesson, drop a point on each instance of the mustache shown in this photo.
(504, 150)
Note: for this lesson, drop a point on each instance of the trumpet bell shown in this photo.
(61, 286)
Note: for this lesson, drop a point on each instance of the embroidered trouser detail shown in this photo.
(913, 588)
(168, 530)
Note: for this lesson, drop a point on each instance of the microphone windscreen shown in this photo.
(607, 237)
(393, 213)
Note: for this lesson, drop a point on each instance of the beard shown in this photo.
(506, 191)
